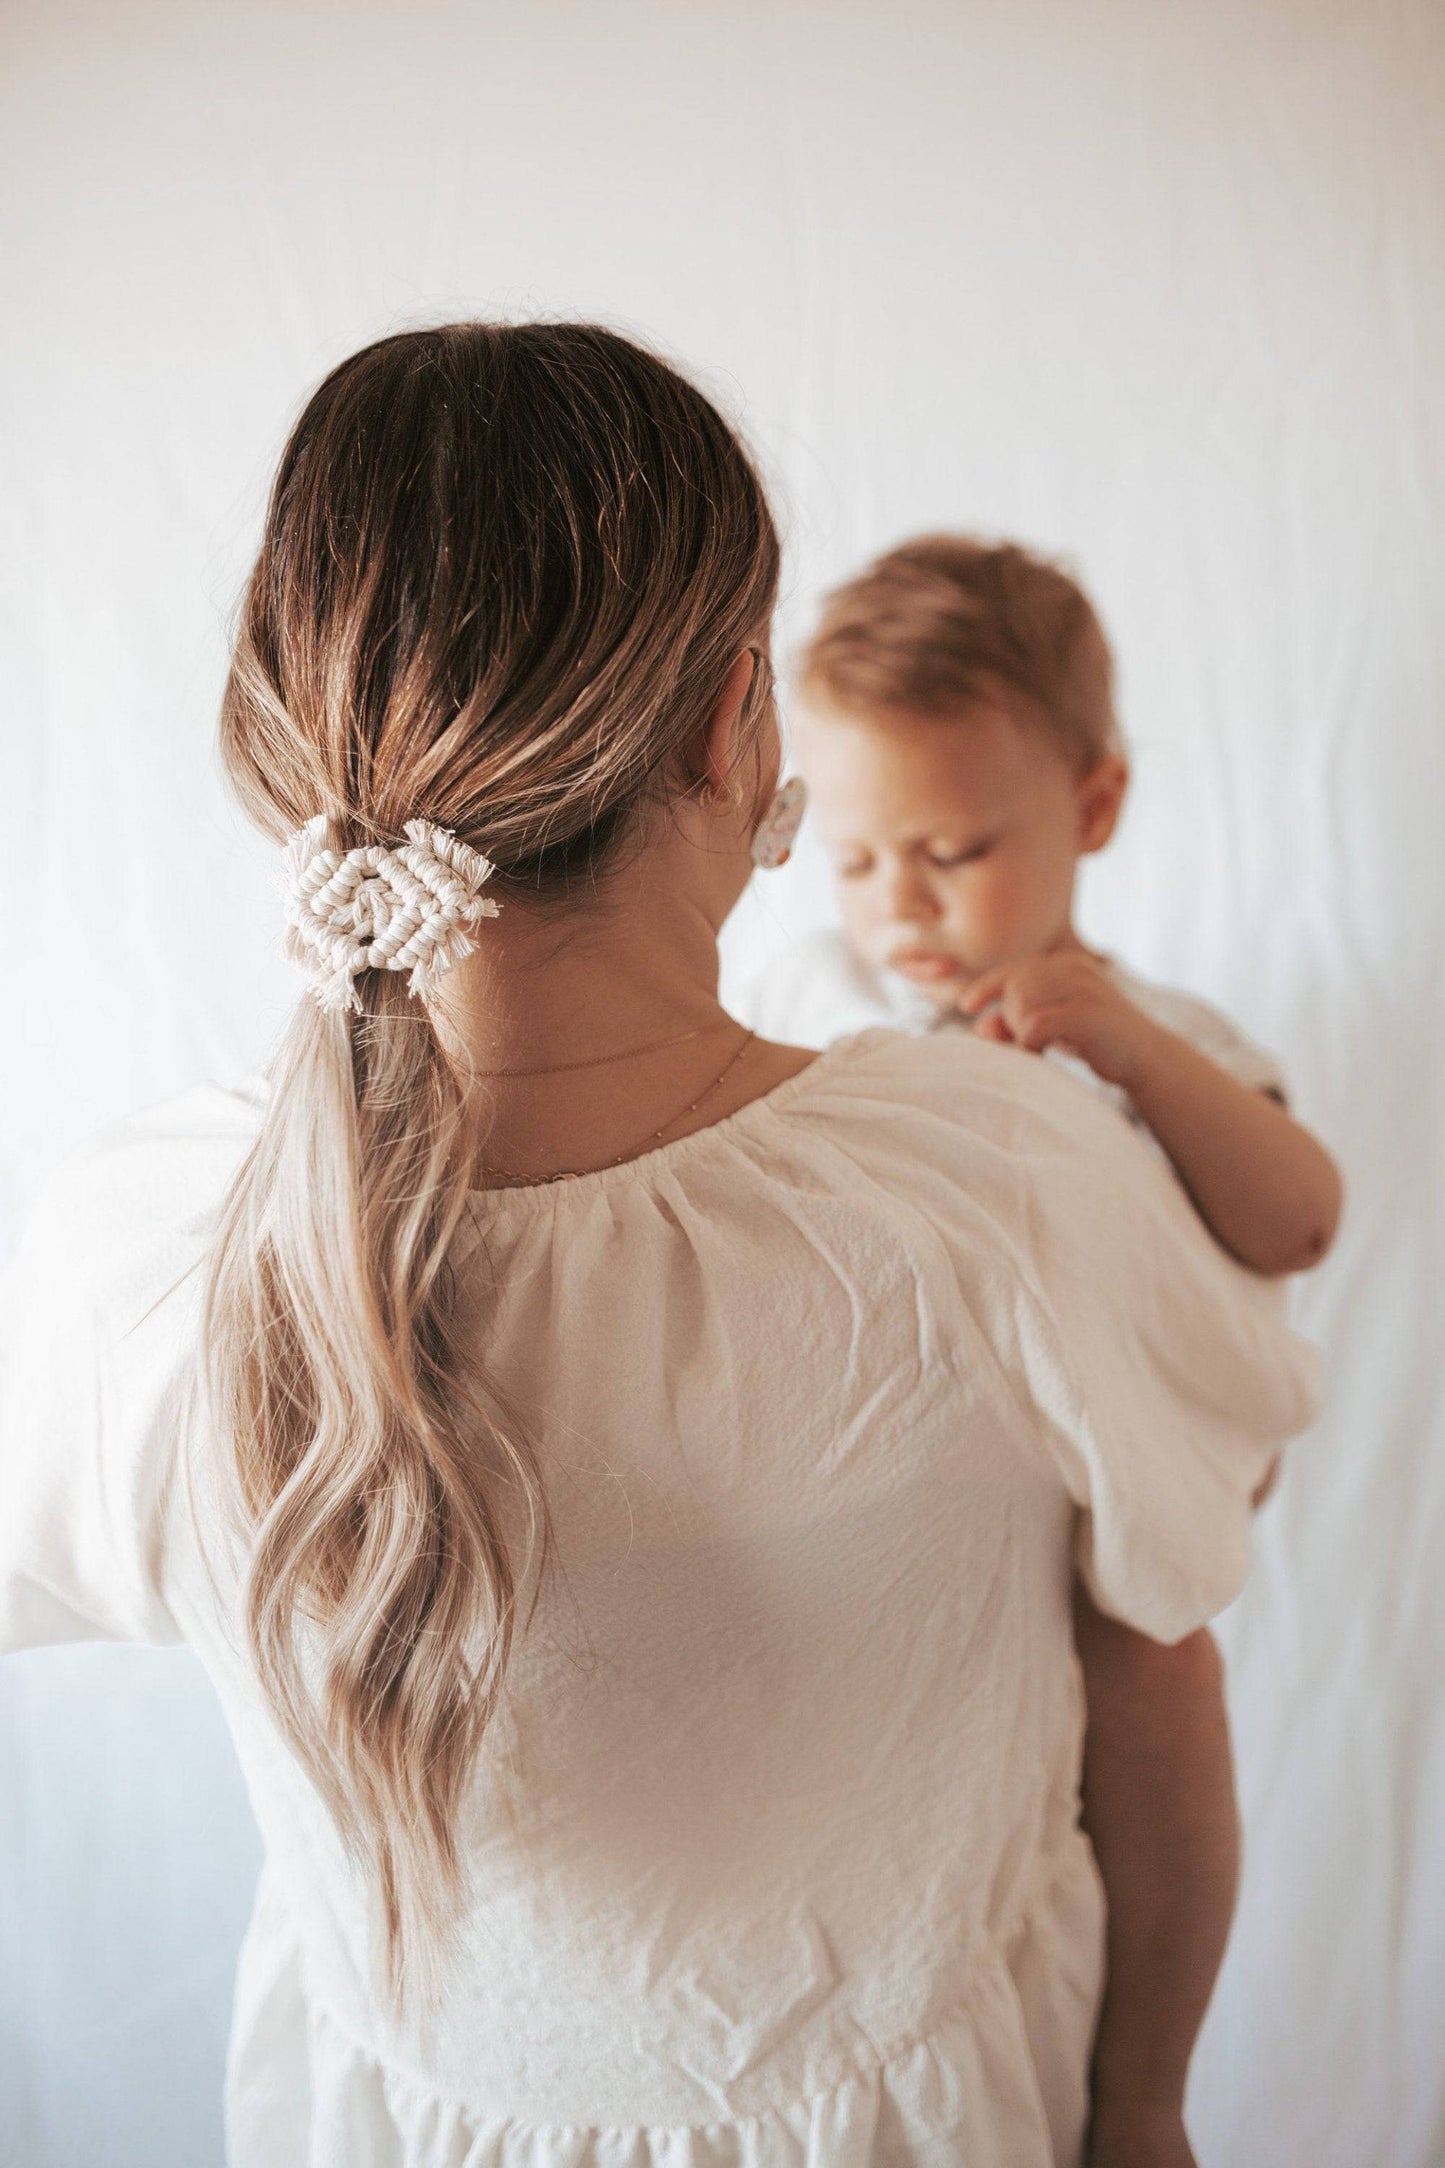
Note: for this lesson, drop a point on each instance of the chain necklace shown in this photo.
(593, 1061)
(507, 1176)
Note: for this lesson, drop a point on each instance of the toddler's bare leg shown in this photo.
(1160, 1811)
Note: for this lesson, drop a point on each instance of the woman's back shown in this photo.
(770, 1853)
(736, 1822)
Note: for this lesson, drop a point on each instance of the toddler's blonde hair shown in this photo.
(944, 622)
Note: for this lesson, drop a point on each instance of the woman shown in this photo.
(623, 1478)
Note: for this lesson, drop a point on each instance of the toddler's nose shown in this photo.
(911, 902)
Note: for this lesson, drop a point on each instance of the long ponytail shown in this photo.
(504, 573)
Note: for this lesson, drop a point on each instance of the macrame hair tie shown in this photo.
(409, 907)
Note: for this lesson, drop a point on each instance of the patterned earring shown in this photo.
(777, 832)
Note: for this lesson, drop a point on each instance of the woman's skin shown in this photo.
(617, 973)
(1160, 1812)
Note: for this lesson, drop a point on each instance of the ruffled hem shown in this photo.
(302, 2092)
(966, 2094)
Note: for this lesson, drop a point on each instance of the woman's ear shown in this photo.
(1100, 797)
(715, 759)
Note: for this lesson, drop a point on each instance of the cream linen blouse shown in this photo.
(774, 1857)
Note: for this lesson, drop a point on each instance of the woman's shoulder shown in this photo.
(884, 1052)
(1162, 1373)
(963, 1088)
(1005, 1150)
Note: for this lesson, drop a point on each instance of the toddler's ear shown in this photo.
(1100, 796)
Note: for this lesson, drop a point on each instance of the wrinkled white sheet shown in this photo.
(1159, 287)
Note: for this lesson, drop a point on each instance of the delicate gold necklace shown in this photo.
(593, 1061)
(506, 1176)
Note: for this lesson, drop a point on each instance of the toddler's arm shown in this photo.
(1159, 1809)
(1265, 1188)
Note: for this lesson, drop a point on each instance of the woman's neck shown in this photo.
(561, 983)
(632, 976)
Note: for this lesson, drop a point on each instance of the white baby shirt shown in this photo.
(773, 1858)
(819, 990)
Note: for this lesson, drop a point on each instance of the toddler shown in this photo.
(956, 729)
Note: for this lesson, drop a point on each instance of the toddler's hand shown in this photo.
(1069, 1001)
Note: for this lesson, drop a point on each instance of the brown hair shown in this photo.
(942, 622)
(504, 575)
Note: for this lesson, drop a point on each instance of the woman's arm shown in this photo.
(1266, 1189)
(1160, 1812)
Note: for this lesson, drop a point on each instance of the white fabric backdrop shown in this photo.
(1159, 287)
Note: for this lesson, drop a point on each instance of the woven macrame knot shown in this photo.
(407, 907)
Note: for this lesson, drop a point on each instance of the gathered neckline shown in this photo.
(661, 1157)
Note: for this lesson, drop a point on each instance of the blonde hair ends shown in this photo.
(504, 574)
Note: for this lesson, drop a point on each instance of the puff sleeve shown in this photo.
(1165, 1374)
(1155, 1376)
(99, 1310)
(86, 1405)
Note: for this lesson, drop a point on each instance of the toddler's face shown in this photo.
(955, 841)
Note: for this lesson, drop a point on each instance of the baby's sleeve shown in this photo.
(1214, 1035)
(1165, 1373)
(89, 1404)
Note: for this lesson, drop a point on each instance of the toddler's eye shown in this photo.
(853, 868)
(941, 855)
